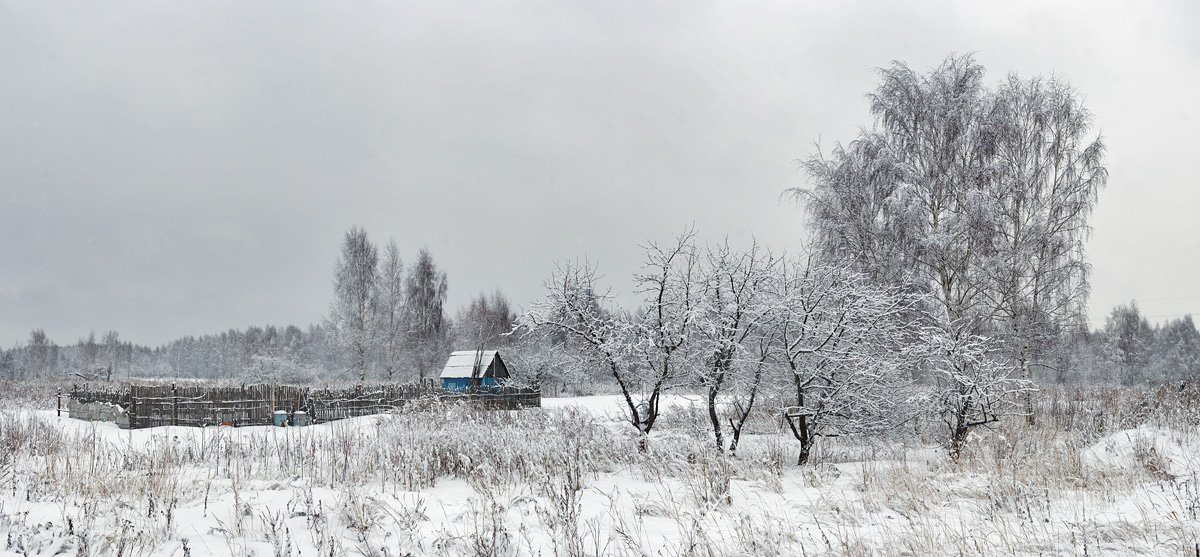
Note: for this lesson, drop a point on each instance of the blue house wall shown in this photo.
(464, 383)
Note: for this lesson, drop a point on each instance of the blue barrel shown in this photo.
(300, 418)
(280, 418)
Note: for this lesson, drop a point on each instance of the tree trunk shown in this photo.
(803, 433)
(735, 435)
(744, 412)
(805, 445)
(959, 430)
(712, 416)
(1027, 396)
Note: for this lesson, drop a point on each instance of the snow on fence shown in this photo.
(139, 406)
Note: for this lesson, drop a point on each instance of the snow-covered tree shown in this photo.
(671, 284)
(8, 363)
(734, 310)
(87, 352)
(842, 339)
(975, 198)
(1128, 343)
(645, 354)
(112, 354)
(425, 293)
(545, 358)
(1177, 350)
(390, 320)
(352, 313)
(487, 321)
(41, 355)
(974, 383)
(1048, 172)
(280, 369)
(601, 337)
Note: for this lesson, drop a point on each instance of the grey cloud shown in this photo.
(185, 168)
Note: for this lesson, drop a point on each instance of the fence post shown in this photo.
(131, 410)
(59, 397)
(174, 405)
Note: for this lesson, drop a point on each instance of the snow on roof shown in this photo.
(462, 363)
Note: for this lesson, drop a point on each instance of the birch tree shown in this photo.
(356, 293)
(1048, 174)
(41, 355)
(425, 292)
(391, 316)
(112, 354)
(975, 198)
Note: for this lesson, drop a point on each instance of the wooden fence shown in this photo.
(159, 405)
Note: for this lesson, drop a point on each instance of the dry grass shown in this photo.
(449, 480)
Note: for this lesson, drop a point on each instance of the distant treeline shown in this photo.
(257, 354)
(400, 333)
(1127, 350)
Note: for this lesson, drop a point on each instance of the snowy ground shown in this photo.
(568, 480)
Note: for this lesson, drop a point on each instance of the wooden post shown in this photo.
(174, 405)
(59, 402)
(129, 409)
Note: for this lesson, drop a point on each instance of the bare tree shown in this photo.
(391, 315)
(573, 306)
(112, 353)
(842, 339)
(356, 292)
(733, 309)
(977, 199)
(86, 354)
(646, 354)
(543, 357)
(488, 320)
(425, 300)
(670, 283)
(1048, 174)
(751, 377)
(974, 383)
(42, 354)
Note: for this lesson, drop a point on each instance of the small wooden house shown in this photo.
(478, 368)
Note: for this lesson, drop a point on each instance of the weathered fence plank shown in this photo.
(159, 405)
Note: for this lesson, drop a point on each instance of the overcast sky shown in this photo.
(183, 168)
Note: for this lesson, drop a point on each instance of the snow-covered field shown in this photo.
(568, 479)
